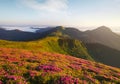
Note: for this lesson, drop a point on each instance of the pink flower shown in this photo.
(1, 82)
(68, 80)
(12, 77)
(48, 68)
(32, 73)
(75, 66)
(90, 78)
(84, 82)
(94, 69)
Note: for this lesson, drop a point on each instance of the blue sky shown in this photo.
(60, 12)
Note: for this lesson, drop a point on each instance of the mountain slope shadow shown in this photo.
(104, 54)
(74, 48)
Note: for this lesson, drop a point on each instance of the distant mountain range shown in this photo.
(102, 35)
(101, 43)
(18, 35)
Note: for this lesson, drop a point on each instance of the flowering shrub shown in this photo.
(14, 79)
(1, 82)
(48, 68)
(90, 78)
(68, 80)
(94, 69)
(75, 66)
(24, 67)
(32, 73)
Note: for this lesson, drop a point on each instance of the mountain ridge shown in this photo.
(51, 44)
(70, 36)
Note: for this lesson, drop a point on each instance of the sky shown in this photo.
(74, 13)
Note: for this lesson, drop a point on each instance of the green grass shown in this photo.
(51, 44)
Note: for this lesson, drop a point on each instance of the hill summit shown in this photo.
(103, 29)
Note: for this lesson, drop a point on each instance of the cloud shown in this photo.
(46, 5)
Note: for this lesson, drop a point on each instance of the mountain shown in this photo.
(69, 32)
(48, 39)
(102, 43)
(18, 35)
(118, 33)
(68, 40)
(102, 35)
(56, 56)
(104, 54)
(15, 35)
(19, 66)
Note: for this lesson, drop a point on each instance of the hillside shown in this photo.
(67, 40)
(102, 43)
(104, 54)
(102, 35)
(51, 44)
(55, 57)
(19, 66)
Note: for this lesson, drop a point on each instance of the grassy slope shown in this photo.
(19, 66)
(51, 44)
(104, 54)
